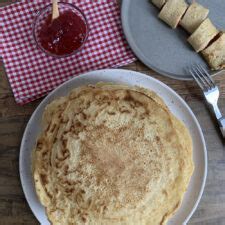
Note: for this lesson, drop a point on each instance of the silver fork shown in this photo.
(211, 92)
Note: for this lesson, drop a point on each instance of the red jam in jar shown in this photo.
(63, 35)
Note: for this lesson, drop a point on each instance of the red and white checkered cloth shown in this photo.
(32, 73)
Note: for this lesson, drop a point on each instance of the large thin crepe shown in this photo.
(111, 155)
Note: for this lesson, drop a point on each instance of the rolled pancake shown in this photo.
(215, 53)
(159, 3)
(203, 35)
(193, 17)
(172, 12)
(112, 155)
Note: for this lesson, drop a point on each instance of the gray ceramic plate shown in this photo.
(175, 103)
(157, 45)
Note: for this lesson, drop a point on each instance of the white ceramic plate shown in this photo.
(173, 101)
(161, 48)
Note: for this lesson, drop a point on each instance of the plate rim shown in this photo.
(45, 101)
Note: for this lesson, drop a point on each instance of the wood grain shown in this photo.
(14, 209)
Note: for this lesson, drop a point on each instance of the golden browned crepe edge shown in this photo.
(215, 53)
(186, 141)
(159, 3)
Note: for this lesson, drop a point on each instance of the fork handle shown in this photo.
(222, 125)
(219, 117)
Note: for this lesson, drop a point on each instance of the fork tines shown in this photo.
(202, 77)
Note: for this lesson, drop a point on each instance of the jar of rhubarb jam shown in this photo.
(63, 36)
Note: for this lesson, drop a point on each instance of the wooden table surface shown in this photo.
(13, 119)
(14, 209)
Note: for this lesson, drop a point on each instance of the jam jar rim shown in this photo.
(70, 5)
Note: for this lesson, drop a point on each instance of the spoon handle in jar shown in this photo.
(55, 9)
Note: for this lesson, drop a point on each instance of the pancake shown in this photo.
(111, 155)
(194, 16)
(214, 54)
(172, 12)
(203, 35)
(159, 3)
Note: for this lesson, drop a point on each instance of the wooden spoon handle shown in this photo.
(55, 9)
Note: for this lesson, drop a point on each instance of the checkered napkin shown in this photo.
(32, 73)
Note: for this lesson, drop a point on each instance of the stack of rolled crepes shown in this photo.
(205, 37)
